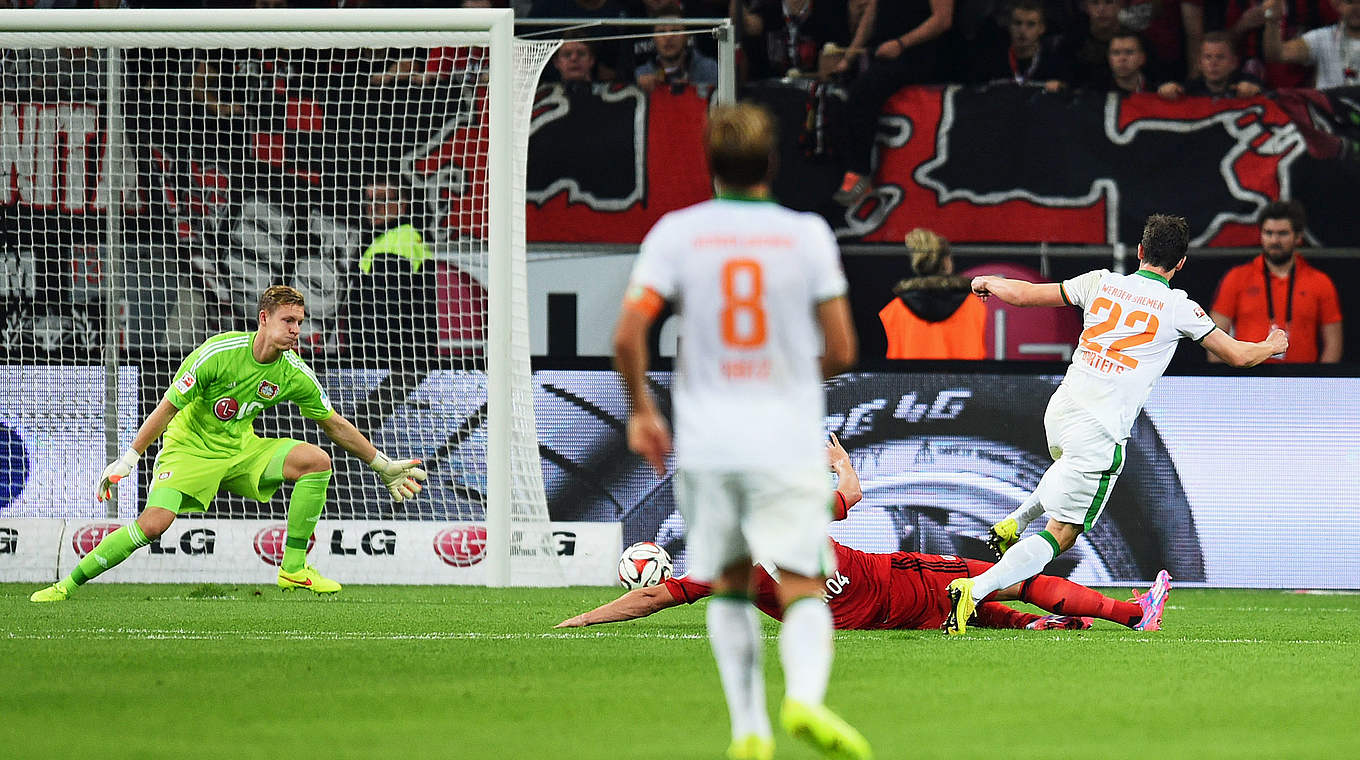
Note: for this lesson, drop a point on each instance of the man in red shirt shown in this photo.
(1300, 298)
(897, 591)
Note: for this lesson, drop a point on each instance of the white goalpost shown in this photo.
(164, 167)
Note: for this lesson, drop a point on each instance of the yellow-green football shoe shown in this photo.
(961, 606)
(307, 579)
(1002, 536)
(53, 593)
(751, 747)
(825, 731)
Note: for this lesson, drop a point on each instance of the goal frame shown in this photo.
(120, 27)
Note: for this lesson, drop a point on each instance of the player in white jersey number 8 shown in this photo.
(1131, 325)
(756, 288)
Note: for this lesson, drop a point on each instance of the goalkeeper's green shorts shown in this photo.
(187, 481)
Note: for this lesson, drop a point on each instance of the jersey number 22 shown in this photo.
(1115, 351)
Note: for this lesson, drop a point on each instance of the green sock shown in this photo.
(114, 548)
(304, 507)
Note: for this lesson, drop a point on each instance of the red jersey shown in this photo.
(902, 590)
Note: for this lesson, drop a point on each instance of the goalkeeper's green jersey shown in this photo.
(220, 389)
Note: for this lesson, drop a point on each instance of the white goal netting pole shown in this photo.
(231, 211)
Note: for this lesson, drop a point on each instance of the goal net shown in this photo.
(164, 168)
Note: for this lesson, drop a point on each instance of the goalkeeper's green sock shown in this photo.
(112, 549)
(304, 508)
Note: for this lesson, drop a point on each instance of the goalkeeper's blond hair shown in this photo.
(740, 142)
(280, 295)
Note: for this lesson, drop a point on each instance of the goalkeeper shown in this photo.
(208, 416)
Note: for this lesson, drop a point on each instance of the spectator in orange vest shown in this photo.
(935, 314)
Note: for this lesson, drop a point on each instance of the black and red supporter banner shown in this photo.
(1000, 164)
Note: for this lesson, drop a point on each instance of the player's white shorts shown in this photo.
(774, 518)
(1087, 461)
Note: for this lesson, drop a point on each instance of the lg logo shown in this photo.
(192, 542)
(227, 407)
(270, 540)
(461, 546)
(465, 545)
(373, 543)
(87, 537)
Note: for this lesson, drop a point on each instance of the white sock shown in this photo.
(734, 634)
(1024, 514)
(1024, 561)
(805, 650)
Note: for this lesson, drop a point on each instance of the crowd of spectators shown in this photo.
(1110, 45)
(873, 48)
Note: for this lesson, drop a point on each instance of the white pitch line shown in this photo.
(1275, 610)
(185, 634)
(179, 633)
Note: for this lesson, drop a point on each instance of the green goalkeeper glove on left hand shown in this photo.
(117, 470)
(400, 476)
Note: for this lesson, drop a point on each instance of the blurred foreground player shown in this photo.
(1132, 324)
(208, 416)
(757, 287)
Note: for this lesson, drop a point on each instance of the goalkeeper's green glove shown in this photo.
(400, 476)
(117, 470)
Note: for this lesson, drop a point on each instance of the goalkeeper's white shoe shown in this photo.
(309, 579)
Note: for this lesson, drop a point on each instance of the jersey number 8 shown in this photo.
(743, 314)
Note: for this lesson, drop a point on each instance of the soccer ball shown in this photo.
(644, 564)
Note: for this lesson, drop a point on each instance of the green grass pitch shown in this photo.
(135, 671)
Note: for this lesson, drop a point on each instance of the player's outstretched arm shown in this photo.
(847, 480)
(1242, 354)
(152, 428)
(640, 602)
(401, 476)
(1019, 292)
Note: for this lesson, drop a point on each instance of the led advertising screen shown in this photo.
(1228, 481)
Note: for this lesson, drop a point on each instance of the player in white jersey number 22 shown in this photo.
(756, 288)
(1131, 325)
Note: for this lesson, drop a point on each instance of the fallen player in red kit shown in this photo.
(901, 590)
